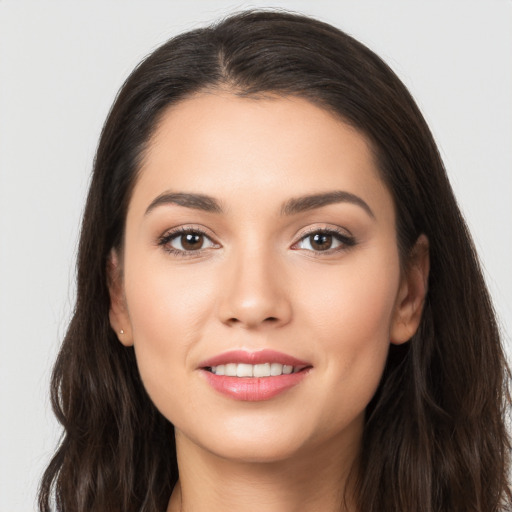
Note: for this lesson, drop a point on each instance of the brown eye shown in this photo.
(188, 241)
(192, 241)
(321, 241)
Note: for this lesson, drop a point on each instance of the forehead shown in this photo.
(269, 148)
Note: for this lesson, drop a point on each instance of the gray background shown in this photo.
(61, 64)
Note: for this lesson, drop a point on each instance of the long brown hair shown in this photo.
(435, 436)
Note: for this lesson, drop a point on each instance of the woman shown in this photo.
(277, 294)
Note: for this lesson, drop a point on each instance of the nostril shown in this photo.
(268, 320)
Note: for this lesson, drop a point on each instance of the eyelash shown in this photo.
(346, 241)
(168, 237)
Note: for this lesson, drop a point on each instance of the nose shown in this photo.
(254, 295)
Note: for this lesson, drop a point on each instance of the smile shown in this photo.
(255, 370)
(253, 376)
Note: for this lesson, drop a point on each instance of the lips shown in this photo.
(259, 357)
(253, 376)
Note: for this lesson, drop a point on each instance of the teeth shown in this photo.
(253, 370)
(244, 370)
(230, 370)
(261, 370)
(276, 369)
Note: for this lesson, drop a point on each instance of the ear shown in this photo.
(118, 314)
(412, 293)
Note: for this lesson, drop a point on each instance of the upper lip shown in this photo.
(257, 357)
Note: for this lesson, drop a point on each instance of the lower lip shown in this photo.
(254, 389)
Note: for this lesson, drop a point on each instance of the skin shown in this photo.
(258, 283)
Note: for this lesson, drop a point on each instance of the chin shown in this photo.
(272, 450)
(248, 441)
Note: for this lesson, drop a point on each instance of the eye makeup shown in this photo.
(193, 241)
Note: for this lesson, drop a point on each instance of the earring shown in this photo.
(121, 331)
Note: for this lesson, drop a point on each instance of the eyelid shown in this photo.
(343, 235)
(172, 233)
(324, 228)
(185, 228)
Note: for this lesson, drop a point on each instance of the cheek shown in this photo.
(354, 301)
(167, 301)
(167, 314)
(350, 313)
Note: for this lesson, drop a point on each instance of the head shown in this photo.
(427, 386)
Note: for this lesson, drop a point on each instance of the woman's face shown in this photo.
(260, 239)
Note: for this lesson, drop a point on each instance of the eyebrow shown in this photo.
(311, 202)
(195, 201)
(290, 207)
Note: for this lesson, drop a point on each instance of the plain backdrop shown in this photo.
(61, 64)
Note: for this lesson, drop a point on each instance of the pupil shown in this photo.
(321, 241)
(192, 241)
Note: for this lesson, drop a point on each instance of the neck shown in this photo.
(309, 481)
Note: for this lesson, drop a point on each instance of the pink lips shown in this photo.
(253, 388)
